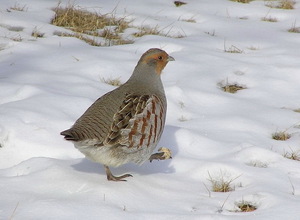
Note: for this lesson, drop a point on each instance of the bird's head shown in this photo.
(155, 58)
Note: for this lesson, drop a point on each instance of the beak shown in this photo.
(171, 58)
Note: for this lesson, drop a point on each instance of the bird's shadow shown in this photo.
(164, 166)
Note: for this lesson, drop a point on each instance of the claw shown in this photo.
(111, 177)
(164, 154)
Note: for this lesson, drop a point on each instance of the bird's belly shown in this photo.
(116, 155)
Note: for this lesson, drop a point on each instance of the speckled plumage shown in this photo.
(125, 124)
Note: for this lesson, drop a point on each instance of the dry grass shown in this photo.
(281, 4)
(221, 183)
(286, 4)
(211, 33)
(90, 40)
(245, 206)
(242, 1)
(257, 163)
(294, 29)
(96, 29)
(231, 49)
(111, 81)
(190, 20)
(82, 21)
(91, 27)
(16, 38)
(269, 19)
(253, 48)
(281, 136)
(297, 110)
(232, 88)
(145, 30)
(37, 34)
(182, 118)
(18, 7)
(221, 186)
(179, 3)
(292, 155)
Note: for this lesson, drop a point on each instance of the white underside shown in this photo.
(115, 156)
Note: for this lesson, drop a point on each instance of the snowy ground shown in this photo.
(47, 83)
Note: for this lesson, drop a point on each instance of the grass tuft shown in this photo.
(145, 30)
(294, 29)
(96, 29)
(90, 40)
(91, 27)
(253, 48)
(189, 20)
(211, 33)
(182, 118)
(242, 1)
(35, 33)
(282, 4)
(18, 7)
(281, 136)
(269, 19)
(232, 88)
(245, 206)
(221, 183)
(16, 38)
(292, 155)
(179, 3)
(110, 81)
(297, 110)
(257, 163)
(231, 49)
(286, 4)
(79, 20)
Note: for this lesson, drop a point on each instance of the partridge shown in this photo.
(125, 125)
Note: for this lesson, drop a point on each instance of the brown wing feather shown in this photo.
(138, 123)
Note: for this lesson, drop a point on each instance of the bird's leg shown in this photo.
(164, 154)
(111, 177)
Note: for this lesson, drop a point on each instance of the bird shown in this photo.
(125, 125)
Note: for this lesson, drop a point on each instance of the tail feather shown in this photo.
(70, 135)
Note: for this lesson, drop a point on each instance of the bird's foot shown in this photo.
(164, 154)
(111, 177)
(118, 178)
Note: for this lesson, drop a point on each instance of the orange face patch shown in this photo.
(161, 60)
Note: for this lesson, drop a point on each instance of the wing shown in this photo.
(138, 123)
(95, 123)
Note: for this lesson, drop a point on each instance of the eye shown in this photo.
(160, 57)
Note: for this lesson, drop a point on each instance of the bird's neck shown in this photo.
(146, 75)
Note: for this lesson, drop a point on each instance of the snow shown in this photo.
(47, 83)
